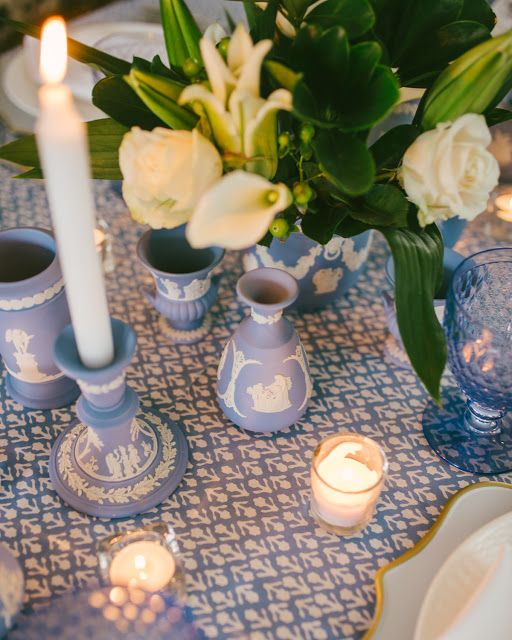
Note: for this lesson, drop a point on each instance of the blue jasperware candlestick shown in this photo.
(117, 460)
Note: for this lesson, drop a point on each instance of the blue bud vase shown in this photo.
(185, 288)
(263, 377)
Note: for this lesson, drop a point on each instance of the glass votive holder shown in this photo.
(146, 558)
(347, 475)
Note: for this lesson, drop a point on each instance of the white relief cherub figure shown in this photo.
(272, 398)
(26, 361)
(114, 465)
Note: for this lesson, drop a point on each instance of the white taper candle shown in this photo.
(62, 144)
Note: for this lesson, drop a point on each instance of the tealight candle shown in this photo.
(146, 559)
(143, 564)
(504, 205)
(347, 476)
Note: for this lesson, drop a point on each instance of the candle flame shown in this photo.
(140, 562)
(54, 50)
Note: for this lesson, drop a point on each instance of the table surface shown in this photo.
(258, 566)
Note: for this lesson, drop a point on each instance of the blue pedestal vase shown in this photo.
(33, 311)
(323, 273)
(11, 589)
(263, 377)
(184, 289)
(117, 460)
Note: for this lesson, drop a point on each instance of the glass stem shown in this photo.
(482, 421)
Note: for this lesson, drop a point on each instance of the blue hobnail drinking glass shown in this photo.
(478, 326)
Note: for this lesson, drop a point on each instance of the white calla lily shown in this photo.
(237, 211)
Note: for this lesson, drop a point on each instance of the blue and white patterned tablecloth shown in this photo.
(258, 567)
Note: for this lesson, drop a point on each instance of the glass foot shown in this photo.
(446, 434)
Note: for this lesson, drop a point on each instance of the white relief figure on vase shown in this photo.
(125, 461)
(192, 291)
(239, 363)
(172, 289)
(327, 280)
(352, 258)
(301, 358)
(196, 289)
(272, 398)
(300, 270)
(28, 368)
(332, 249)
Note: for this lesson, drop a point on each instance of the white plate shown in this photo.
(402, 585)
(20, 77)
(455, 583)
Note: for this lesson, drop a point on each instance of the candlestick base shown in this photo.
(116, 460)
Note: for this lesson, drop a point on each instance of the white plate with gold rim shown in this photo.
(472, 589)
(401, 586)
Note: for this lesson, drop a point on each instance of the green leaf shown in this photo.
(104, 137)
(312, 44)
(110, 65)
(114, 97)
(417, 39)
(446, 44)
(284, 76)
(348, 227)
(349, 90)
(383, 206)
(322, 225)
(261, 20)
(181, 32)
(497, 116)
(345, 160)
(355, 16)
(479, 11)
(160, 95)
(389, 149)
(418, 259)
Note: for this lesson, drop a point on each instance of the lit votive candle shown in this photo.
(347, 476)
(145, 559)
(143, 564)
(504, 207)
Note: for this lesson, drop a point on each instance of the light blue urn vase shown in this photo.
(263, 377)
(323, 272)
(33, 311)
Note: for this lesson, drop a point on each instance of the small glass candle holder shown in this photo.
(146, 558)
(347, 475)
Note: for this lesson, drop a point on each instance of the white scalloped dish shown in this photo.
(401, 586)
(471, 593)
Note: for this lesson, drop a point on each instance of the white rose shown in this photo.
(449, 172)
(165, 174)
